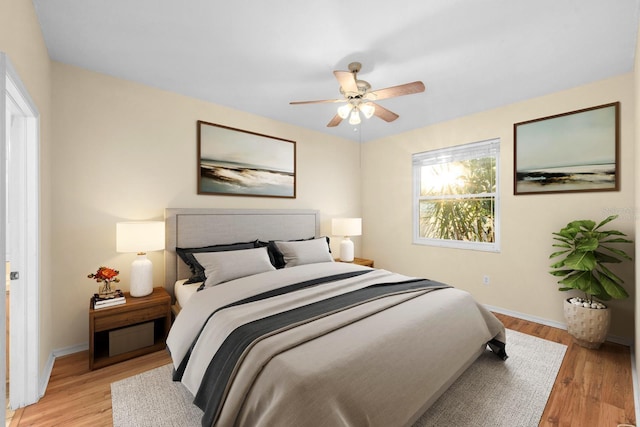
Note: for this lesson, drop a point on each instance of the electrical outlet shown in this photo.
(485, 280)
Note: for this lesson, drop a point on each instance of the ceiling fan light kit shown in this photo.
(354, 119)
(344, 110)
(359, 97)
(368, 109)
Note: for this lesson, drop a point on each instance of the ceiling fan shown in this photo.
(360, 98)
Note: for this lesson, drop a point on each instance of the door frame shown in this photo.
(25, 298)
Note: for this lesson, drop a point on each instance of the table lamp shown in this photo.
(140, 237)
(346, 227)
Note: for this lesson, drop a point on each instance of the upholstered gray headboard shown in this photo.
(192, 228)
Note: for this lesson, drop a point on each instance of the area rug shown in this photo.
(490, 393)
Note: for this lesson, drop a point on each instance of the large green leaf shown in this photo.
(606, 272)
(561, 273)
(587, 244)
(617, 251)
(607, 220)
(585, 224)
(602, 258)
(558, 264)
(583, 261)
(578, 280)
(568, 233)
(613, 289)
(555, 254)
(614, 233)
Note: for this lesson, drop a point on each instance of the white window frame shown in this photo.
(487, 148)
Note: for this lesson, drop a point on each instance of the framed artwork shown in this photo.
(235, 162)
(570, 152)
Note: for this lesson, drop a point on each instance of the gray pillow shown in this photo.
(221, 267)
(305, 252)
(197, 272)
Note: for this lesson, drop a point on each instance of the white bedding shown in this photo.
(380, 363)
(184, 292)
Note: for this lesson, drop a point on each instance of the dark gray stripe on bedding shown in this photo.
(210, 396)
(179, 372)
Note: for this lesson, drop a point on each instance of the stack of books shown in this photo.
(99, 301)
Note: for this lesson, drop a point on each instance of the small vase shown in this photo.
(105, 288)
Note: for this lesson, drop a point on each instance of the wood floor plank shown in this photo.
(593, 387)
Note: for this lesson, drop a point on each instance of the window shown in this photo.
(456, 200)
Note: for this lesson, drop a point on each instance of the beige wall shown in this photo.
(21, 39)
(519, 280)
(125, 151)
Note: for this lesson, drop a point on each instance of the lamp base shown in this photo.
(141, 277)
(346, 250)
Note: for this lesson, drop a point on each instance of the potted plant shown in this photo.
(585, 249)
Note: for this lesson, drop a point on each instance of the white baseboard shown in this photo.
(552, 323)
(71, 349)
(48, 367)
(46, 374)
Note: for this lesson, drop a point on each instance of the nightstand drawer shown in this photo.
(120, 318)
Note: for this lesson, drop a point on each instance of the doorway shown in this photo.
(19, 213)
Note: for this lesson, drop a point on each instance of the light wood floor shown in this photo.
(593, 387)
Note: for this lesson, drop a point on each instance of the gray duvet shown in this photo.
(377, 362)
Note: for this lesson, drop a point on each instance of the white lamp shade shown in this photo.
(140, 237)
(346, 226)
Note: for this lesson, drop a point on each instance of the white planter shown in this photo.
(588, 326)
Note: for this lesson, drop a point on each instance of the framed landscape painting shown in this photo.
(235, 162)
(570, 152)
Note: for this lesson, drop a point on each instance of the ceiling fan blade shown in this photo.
(391, 92)
(322, 101)
(384, 114)
(335, 121)
(347, 81)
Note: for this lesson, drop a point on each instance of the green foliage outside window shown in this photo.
(457, 200)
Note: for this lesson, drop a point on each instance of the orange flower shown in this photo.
(105, 274)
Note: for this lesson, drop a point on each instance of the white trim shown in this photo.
(552, 323)
(46, 374)
(25, 313)
(65, 351)
(48, 368)
(486, 148)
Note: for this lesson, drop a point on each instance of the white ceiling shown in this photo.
(256, 56)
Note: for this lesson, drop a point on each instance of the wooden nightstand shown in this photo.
(148, 317)
(360, 261)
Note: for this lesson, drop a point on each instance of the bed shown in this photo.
(279, 334)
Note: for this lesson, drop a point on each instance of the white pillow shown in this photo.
(221, 267)
(305, 252)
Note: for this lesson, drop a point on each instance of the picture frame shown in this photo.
(236, 162)
(571, 152)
